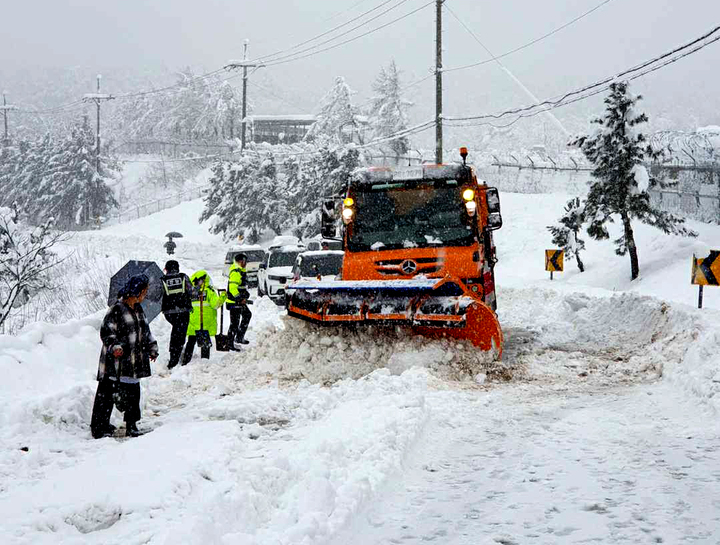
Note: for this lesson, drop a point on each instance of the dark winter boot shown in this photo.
(131, 430)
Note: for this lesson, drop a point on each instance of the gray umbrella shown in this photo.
(153, 300)
(174, 234)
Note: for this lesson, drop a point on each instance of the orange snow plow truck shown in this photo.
(419, 252)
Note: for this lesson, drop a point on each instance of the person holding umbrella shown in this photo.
(127, 349)
(203, 319)
(170, 244)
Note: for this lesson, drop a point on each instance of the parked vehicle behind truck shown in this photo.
(255, 255)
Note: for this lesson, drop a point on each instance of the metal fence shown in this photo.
(696, 194)
(158, 205)
(695, 205)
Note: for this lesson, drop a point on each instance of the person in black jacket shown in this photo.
(128, 346)
(176, 307)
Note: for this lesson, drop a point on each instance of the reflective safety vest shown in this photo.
(174, 285)
(177, 291)
(237, 284)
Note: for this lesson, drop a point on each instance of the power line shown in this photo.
(510, 74)
(277, 53)
(279, 60)
(593, 93)
(669, 57)
(274, 63)
(77, 105)
(531, 43)
(170, 87)
(343, 12)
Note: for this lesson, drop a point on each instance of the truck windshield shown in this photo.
(323, 265)
(409, 217)
(282, 259)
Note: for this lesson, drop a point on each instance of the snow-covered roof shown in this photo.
(287, 248)
(241, 247)
(374, 175)
(315, 253)
(97, 95)
(709, 128)
(290, 117)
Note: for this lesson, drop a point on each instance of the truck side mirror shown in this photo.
(493, 203)
(328, 218)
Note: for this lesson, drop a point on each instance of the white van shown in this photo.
(255, 255)
(276, 271)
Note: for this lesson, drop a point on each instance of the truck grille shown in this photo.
(424, 265)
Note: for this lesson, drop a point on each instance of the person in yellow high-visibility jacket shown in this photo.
(206, 299)
(237, 298)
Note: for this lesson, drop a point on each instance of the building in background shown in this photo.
(279, 129)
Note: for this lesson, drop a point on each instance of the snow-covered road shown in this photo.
(521, 464)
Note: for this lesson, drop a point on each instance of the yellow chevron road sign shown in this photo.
(554, 260)
(706, 270)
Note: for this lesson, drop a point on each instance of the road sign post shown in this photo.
(705, 272)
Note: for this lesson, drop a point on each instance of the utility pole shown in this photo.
(6, 108)
(438, 83)
(244, 104)
(244, 64)
(97, 98)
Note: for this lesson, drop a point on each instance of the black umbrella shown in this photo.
(174, 234)
(153, 300)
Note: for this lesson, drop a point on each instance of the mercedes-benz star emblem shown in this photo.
(408, 266)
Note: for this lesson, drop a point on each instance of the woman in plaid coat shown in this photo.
(128, 347)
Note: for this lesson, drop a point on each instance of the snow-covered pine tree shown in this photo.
(244, 198)
(336, 120)
(72, 191)
(228, 110)
(565, 235)
(388, 112)
(327, 173)
(271, 201)
(617, 149)
(10, 158)
(29, 174)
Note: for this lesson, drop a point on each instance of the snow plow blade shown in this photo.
(436, 308)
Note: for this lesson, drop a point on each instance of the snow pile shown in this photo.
(327, 354)
(276, 465)
(620, 338)
(699, 372)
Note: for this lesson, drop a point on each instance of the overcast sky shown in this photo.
(205, 34)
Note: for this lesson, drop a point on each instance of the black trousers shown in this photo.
(129, 395)
(190, 348)
(179, 322)
(237, 329)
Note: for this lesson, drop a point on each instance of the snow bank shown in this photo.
(275, 465)
(46, 360)
(627, 336)
(301, 350)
